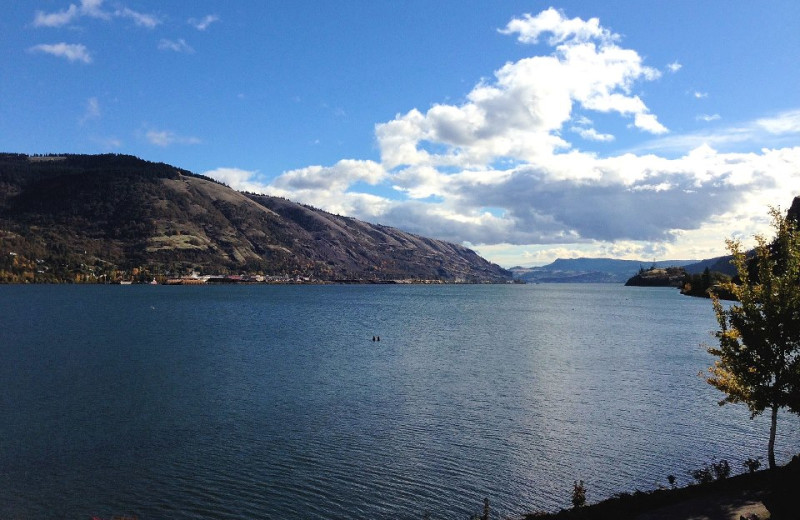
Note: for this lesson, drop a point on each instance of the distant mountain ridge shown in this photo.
(609, 270)
(592, 270)
(85, 217)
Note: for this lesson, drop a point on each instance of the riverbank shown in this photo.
(767, 494)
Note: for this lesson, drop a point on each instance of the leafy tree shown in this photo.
(759, 338)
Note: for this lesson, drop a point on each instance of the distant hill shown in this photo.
(590, 270)
(90, 217)
(720, 264)
(701, 278)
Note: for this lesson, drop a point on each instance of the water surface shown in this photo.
(274, 402)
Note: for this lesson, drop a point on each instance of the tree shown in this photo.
(759, 338)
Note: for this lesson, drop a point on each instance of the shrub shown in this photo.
(578, 494)
(752, 465)
(710, 472)
(702, 475)
(722, 469)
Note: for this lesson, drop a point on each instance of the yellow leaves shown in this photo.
(757, 336)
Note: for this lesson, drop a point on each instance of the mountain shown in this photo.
(589, 270)
(87, 217)
(720, 264)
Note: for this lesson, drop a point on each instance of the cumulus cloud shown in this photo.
(529, 28)
(68, 51)
(335, 178)
(203, 23)
(332, 188)
(497, 171)
(674, 67)
(237, 178)
(323, 187)
(179, 45)
(708, 117)
(166, 138)
(520, 113)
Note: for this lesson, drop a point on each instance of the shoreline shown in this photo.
(770, 491)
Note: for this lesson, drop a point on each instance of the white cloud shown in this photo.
(561, 29)
(323, 187)
(699, 95)
(775, 130)
(520, 113)
(590, 134)
(107, 143)
(203, 23)
(649, 123)
(92, 110)
(179, 45)
(141, 19)
(336, 178)
(57, 19)
(497, 170)
(92, 9)
(674, 67)
(237, 178)
(784, 123)
(708, 117)
(626, 206)
(166, 138)
(69, 51)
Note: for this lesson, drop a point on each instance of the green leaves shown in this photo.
(759, 337)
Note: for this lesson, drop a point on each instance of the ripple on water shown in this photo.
(273, 402)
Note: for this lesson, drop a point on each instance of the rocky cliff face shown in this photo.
(127, 213)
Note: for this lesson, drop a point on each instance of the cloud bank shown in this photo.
(498, 171)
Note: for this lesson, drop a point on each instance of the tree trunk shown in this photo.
(772, 429)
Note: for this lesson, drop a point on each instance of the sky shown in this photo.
(527, 131)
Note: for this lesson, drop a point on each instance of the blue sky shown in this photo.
(526, 130)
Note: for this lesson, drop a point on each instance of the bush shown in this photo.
(752, 465)
(702, 475)
(715, 471)
(722, 469)
(578, 494)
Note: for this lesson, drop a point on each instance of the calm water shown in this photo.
(273, 401)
